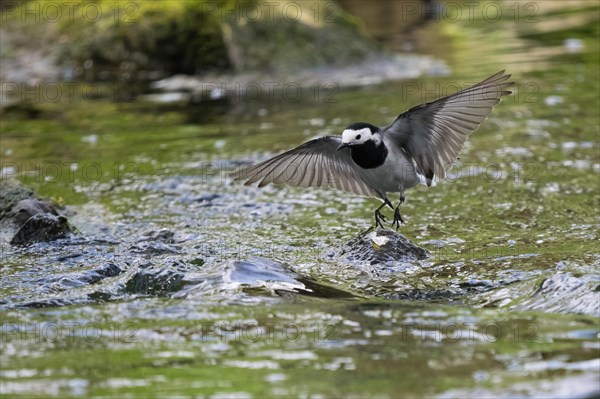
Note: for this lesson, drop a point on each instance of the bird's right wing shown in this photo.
(316, 163)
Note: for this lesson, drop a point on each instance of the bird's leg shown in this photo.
(397, 217)
(379, 216)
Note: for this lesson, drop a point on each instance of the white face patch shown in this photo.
(354, 137)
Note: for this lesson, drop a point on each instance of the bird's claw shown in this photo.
(378, 218)
(397, 219)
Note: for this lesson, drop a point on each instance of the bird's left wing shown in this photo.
(433, 134)
(315, 163)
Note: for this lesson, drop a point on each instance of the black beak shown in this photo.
(343, 145)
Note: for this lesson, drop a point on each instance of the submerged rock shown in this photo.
(155, 282)
(383, 245)
(92, 276)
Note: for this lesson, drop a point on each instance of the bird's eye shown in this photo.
(358, 137)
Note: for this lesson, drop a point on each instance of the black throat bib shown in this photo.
(369, 155)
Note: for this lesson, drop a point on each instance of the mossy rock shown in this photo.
(148, 40)
(11, 192)
(142, 37)
(309, 38)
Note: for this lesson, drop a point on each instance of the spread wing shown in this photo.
(433, 134)
(315, 163)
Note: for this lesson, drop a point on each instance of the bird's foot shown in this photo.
(397, 218)
(378, 218)
(367, 231)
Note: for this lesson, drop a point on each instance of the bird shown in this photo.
(418, 147)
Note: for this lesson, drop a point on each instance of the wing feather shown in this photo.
(315, 163)
(433, 134)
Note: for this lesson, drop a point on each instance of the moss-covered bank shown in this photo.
(146, 40)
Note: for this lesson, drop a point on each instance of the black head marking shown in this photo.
(363, 125)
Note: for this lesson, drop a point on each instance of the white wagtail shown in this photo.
(418, 147)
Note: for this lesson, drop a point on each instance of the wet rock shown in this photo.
(92, 276)
(320, 290)
(383, 245)
(41, 227)
(45, 303)
(157, 248)
(566, 293)
(273, 276)
(198, 262)
(478, 285)
(163, 235)
(245, 272)
(253, 277)
(154, 248)
(207, 199)
(155, 282)
(26, 208)
(100, 296)
(25, 219)
(11, 192)
(424, 294)
(258, 277)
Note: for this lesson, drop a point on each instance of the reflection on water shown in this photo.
(184, 283)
